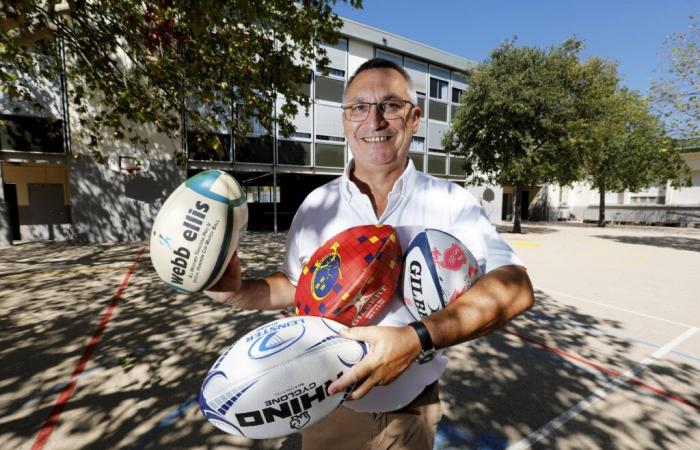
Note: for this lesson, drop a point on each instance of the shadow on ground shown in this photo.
(138, 389)
(526, 229)
(674, 242)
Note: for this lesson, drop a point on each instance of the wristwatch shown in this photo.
(427, 348)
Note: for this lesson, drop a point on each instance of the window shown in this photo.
(323, 137)
(207, 146)
(255, 150)
(262, 194)
(456, 95)
(336, 72)
(436, 164)
(438, 111)
(330, 155)
(438, 89)
(337, 56)
(457, 167)
(453, 111)
(421, 102)
(329, 89)
(31, 134)
(417, 144)
(294, 153)
(389, 56)
(305, 87)
(417, 159)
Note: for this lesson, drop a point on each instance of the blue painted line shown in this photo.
(170, 419)
(449, 436)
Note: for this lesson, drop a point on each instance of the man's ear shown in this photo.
(416, 114)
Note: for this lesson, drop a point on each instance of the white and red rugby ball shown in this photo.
(437, 269)
(196, 230)
(274, 380)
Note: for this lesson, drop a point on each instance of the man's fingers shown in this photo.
(363, 389)
(350, 377)
(357, 333)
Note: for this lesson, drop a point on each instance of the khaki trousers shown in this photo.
(412, 427)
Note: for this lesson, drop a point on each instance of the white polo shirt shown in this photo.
(417, 201)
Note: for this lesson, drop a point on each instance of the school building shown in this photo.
(53, 189)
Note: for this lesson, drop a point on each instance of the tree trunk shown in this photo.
(516, 209)
(601, 207)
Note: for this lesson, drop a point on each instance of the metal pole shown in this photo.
(274, 164)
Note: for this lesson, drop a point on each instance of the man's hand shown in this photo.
(272, 292)
(229, 283)
(391, 352)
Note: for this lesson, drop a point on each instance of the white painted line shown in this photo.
(648, 316)
(599, 394)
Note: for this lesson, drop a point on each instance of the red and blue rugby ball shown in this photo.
(352, 276)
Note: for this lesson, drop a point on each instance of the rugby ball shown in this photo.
(352, 276)
(196, 230)
(274, 380)
(438, 268)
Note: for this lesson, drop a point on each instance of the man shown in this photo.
(395, 403)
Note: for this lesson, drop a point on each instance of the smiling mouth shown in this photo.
(376, 139)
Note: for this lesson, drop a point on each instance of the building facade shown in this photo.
(49, 193)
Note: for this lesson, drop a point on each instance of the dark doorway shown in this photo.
(524, 205)
(11, 201)
(507, 208)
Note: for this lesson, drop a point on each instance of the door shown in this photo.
(11, 201)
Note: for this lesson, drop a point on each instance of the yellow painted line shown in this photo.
(641, 258)
(524, 244)
(54, 273)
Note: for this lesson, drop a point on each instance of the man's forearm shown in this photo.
(273, 292)
(495, 299)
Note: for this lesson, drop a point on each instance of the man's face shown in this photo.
(378, 142)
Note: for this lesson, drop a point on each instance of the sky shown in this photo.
(626, 31)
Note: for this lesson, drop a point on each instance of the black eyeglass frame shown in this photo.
(349, 107)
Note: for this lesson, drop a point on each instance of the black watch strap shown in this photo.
(426, 343)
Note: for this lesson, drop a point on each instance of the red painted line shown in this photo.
(50, 424)
(605, 370)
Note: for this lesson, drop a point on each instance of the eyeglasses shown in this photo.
(389, 109)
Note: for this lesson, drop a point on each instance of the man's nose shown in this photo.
(376, 118)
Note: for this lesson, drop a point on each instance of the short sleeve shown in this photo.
(292, 264)
(471, 225)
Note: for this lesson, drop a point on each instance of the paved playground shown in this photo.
(97, 354)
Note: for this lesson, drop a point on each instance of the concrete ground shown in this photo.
(97, 354)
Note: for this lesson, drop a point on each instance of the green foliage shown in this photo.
(132, 63)
(518, 120)
(627, 148)
(677, 96)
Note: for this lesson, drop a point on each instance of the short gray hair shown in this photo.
(380, 63)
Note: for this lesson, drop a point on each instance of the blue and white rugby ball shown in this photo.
(437, 269)
(196, 230)
(274, 380)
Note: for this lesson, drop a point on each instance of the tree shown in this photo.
(677, 97)
(520, 118)
(627, 148)
(134, 62)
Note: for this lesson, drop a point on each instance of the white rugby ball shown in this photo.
(437, 269)
(196, 230)
(274, 380)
